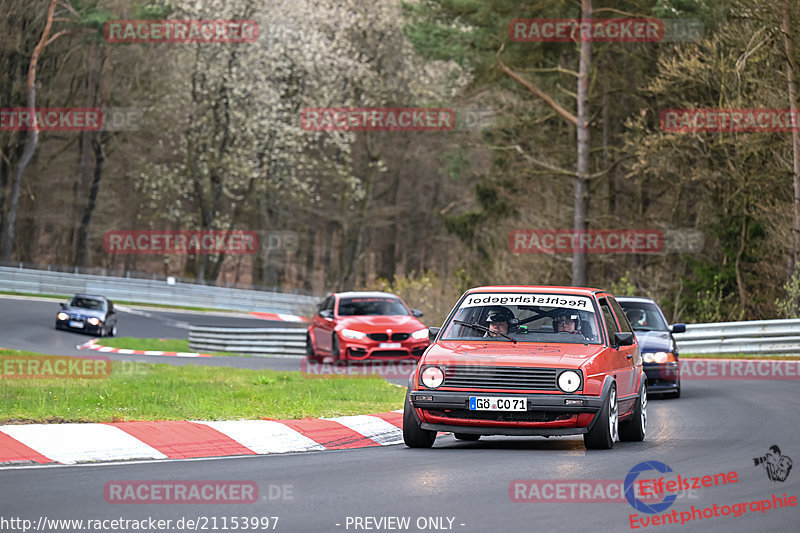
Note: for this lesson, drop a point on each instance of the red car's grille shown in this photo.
(385, 336)
(499, 377)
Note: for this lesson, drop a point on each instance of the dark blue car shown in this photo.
(658, 347)
(87, 313)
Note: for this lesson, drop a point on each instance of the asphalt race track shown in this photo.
(716, 427)
(28, 324)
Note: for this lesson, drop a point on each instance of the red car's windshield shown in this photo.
(371, 306)
(525, 318)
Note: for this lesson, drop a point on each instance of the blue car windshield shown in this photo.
(87, 303)
(644, 316)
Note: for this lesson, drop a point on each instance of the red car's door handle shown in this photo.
(629, 356)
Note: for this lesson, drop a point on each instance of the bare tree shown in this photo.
(581, 123)
(33, 134)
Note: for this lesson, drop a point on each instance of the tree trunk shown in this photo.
(82, 251)
(787, 43)
(88, 144)
(33, 137)
(581, 197)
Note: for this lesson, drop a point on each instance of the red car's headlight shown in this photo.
(353, 334)
(569, 381)
(420, 334)
(432, 377)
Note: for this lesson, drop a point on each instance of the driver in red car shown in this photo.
(566, 321)
(500, 319)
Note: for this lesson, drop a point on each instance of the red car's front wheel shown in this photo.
(413, 435)
(335, 351)
(604, 432)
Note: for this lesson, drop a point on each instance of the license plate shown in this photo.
(74, 324)
(494, 403)
(389, 345)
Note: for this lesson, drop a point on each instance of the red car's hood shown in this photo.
(380, 323)
(508, 354)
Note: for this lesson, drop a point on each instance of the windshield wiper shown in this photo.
(485, 329)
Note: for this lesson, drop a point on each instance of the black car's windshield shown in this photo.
(371, 306)
(644, 316)
(87, 303)
(525, 317)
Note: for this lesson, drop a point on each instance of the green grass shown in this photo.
(787, 357)
(164, 345)
(142, 391)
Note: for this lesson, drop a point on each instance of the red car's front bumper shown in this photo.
(547, 414)
(366, 348)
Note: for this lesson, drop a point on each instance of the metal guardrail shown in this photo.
(253, 341)
(753, 337)
(750, 337)
(153, 291)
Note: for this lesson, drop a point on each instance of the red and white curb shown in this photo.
(93, 345)
(123, 441)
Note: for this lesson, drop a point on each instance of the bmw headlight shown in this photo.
(420, 334)
(432, 377)
(353, 334)
(658, 357)
(569, 381)
(663, 357)
(94, 321)
(62, 316)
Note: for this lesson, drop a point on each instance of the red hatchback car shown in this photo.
(355, 326)
(519, 360)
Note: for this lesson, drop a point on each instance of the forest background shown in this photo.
(210, 139)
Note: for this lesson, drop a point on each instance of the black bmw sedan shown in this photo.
(91, 314)
(658, 347)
